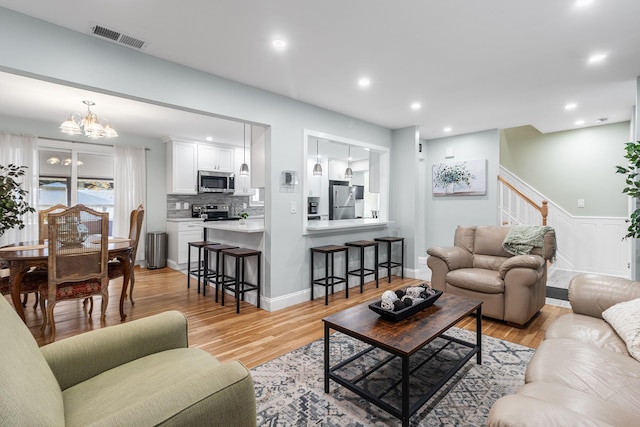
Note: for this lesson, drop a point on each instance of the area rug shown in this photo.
(290, 389)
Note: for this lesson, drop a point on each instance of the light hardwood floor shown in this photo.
(253, 336)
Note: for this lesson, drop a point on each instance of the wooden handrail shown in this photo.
(544, 209)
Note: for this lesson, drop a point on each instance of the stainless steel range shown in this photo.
(211, 212)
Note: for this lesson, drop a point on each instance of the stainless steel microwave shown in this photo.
(215, 182)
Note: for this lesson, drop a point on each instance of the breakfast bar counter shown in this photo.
(342, 224)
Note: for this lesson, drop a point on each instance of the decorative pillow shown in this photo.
(624, 317)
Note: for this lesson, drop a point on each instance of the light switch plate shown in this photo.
(581, 203)
(294, 207)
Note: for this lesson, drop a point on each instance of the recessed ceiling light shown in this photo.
(209, 138)
(416, 106)
(594, 59)
(570, 106)
(583, 3)
(447, 129)
(580, 122)
(279, 44)
(364, 82)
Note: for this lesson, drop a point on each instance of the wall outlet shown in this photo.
(177, 205)
(244, 206)
(185, 205)
(581, 203)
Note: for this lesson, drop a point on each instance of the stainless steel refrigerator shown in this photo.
(344, 202)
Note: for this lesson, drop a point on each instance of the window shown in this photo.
(72, 173)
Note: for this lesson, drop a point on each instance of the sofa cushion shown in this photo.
(488, 241)
(476, 279)
(610, 376)
(624, 317)
(587, 329)
(539, 404)
(29, 394)
(161, 388)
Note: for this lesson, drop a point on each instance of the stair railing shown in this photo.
(516, 208)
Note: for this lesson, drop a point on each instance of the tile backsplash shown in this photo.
(235, 204)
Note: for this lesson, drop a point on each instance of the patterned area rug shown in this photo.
(290, 388)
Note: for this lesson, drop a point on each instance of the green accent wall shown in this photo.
(571, 165)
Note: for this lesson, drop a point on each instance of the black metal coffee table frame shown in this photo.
(382, 334)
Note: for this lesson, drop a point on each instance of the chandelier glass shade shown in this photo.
(348, 173)
(76, 124)
(244, 167)
(317, 168)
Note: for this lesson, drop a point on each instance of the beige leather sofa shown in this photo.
(582, 373)
(139, 373)
(513, 288)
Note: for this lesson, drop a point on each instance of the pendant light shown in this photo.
(317, 169)
(244, 167)
(348, 173)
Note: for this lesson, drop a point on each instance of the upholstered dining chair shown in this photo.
(78, 258)
(116, 268)
(43, 214)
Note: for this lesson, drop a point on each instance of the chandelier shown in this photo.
(89, 124)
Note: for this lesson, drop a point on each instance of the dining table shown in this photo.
(23, 256)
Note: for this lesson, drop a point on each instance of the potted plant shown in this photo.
(243, 217)
(13, 203)
(632, 181)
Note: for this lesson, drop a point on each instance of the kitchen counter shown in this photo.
(341, 224)
(250, 226)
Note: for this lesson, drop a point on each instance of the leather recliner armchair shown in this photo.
(512, 287)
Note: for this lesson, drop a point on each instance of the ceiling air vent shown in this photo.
(117, 36)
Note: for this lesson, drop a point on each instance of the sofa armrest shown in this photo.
(521, 261)
(454, 256)
(84, 356)
(591, 294)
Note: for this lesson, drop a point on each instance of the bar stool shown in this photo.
(240, 286)
(212, 275)
(330, 280)
(362, 271)
(388, 264)
(199, 271)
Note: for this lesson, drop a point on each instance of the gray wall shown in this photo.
(571, 165)
(31, 47)
(444, 214)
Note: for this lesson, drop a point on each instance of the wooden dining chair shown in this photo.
(78, 258)
(116, 269)
(43, 214)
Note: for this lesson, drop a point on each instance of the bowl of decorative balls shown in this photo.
(400, 304)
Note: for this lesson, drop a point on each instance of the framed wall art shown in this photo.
(462, 178)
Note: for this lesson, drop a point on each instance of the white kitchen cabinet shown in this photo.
(181, 167)
(243, 183)
(337, 169)
(257, 149)
(179, 233)
(215, 158)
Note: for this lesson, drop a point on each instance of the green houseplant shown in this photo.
(632, 181)
(13, 203)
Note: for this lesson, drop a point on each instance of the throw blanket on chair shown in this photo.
(521, 239)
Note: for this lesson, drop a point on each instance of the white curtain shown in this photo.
(130, 190)
(22, 150)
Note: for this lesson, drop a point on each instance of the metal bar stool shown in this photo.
(330, 280)
(388, 264)
(212, 275)
(362, 271)
(199, 271)
(240, 286)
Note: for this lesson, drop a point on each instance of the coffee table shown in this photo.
(403, 340)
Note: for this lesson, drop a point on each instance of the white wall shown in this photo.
(31, 47)
(444, 214)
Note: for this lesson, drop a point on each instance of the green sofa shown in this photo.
(139, 373)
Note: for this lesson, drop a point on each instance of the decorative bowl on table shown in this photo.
(72, 233)
(399, 308)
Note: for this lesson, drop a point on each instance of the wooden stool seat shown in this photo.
(212, 275)
(362, 272)
(239, 286)
(389, 264)
(199, 271)
(330, 280)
